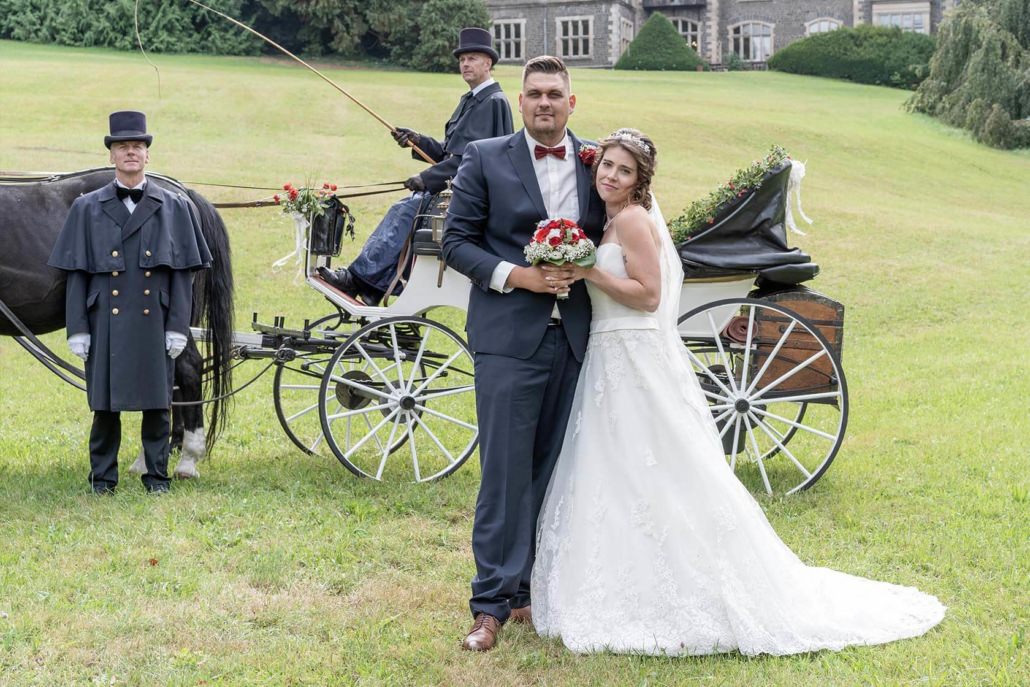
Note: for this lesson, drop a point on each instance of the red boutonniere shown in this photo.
(587, 153)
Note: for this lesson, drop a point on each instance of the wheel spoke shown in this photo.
(386, 451)
(447, 392)
(806, 397)
(794, 424)
(368, 359)
(437, 373)
(396, 357)
(358, 411)
(711, 375)
(446, 418)
(372, 433)
(722, 353)
(736, 442)
(354, 384)
(421, 423)
(308, 387)
(782, 447)
(302, 412)
(758, 458)
(414, 453)
(768, 361)
(747, 346)
(787, 375)
(416, 366)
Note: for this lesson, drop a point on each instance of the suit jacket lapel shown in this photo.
(518, 153)
(583, 181)
(113, 208)
(147, 206)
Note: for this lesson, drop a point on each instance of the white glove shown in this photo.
(174, 344)
(79, 343)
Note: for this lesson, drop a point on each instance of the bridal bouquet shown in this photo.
(559, 241)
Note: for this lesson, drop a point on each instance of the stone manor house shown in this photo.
(594, 34)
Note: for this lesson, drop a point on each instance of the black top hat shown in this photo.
(476, 40)
(128, 126)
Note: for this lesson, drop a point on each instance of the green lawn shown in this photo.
(278, 568)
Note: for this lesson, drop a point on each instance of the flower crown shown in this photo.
(627, 136)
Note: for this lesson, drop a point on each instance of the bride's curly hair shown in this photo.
(643, 150)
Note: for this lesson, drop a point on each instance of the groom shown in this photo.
(528, 344)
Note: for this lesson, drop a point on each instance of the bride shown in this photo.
(647, 542)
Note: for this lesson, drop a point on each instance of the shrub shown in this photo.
(879, 55)
(164, 27)
(659, 47)
(734, 63)
(979, 76)
(426, 42)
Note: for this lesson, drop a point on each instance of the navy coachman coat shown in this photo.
(484, 115)
(130, 279)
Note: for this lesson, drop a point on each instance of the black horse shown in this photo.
(32, 213)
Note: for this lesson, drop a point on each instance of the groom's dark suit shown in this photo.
(526, 367)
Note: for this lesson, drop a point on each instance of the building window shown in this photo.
(510, 39)
(574, 36)
(625, 34)
(821, 25)
(690, 30)
(752, 40)
(911, 16)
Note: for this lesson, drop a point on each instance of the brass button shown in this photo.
(145, 274)
(147, 253)
(146, 292)
(115, 292)
(114, 311)
(146, 311)
(114, 254)
(114, 274)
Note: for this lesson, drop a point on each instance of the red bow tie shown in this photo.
(542, 151)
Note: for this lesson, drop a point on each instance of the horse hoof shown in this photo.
(140, 466)
(186, 472)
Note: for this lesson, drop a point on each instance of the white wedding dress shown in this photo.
(647, 542)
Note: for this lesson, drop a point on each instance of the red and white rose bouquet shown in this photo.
(559, 241)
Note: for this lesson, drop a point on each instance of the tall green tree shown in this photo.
(659, 47)
(980, 73)
(426, 40)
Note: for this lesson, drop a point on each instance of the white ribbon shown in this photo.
(797, 173)
(300, 230)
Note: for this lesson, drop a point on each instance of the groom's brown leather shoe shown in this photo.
(483, 635)
(522, 615)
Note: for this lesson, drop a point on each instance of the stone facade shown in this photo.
(594, 34)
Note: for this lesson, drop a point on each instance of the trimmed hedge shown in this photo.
(659, 47)
(164, 26)
(885, 56)
(415, 33)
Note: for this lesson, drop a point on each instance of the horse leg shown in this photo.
(188, 425)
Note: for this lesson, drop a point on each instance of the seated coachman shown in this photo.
(483, 112)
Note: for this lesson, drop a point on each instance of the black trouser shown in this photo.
(523, 407)
(106, 437)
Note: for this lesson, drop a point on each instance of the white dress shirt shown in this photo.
(477, 89)
(557, 181)
(127, 200)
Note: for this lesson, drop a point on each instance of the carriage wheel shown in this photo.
(775, 387)
(295, 394)
(400, 379)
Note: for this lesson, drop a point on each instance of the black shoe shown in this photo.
(370, 297)
(103, 490)
(340, 279)
(157, 489)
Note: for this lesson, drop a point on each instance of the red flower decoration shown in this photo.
(276, 198)
(554, 241)
(588, 153)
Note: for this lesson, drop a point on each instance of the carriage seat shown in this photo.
(788, 274)
(423, 243)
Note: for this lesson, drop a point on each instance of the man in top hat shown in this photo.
(483, 112)
(129, 249)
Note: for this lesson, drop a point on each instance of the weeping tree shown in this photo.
(980, 72)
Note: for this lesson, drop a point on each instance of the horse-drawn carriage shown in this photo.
(388, 390)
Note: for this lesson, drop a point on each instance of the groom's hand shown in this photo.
(542, 278)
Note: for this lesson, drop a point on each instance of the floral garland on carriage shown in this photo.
(721, 202)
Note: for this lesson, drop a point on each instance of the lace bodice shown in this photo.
(609, 314)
